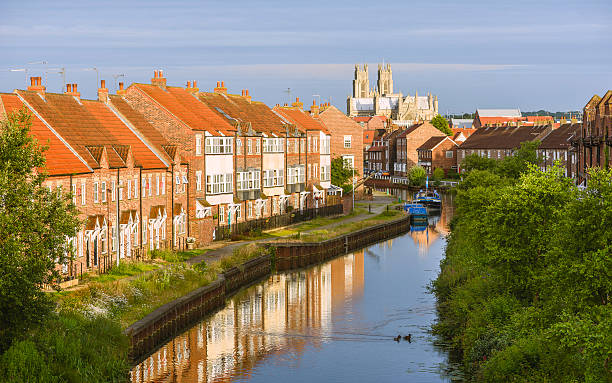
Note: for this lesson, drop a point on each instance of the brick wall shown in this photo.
(415, 139)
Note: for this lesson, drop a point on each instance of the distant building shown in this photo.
(382, 101)
(461, 123)
(500, 142)
(557, 147)
(438, 152)
(594, 140)
(408, 141)
(507, 117)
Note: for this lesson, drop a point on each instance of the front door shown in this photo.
(95, 252)
(128, 243)
(87, 252)
(122, 244)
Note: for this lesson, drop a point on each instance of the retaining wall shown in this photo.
(162, 324)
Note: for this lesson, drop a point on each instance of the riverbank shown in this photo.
(111, 305)
(523, 292)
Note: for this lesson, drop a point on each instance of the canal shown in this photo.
(332, 322)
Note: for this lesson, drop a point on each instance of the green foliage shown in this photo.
(510, 166)
(442, 125)
(68, 348)
(417, 176)
(438, 174)
(342, 174)
(524, 290)
(34, 224)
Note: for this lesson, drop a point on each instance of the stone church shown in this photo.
(403, 110)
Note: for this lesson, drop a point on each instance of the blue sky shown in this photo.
(528, 54)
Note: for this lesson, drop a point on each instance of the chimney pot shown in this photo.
(74, 88)
(102, 83)
(222, 84)
(297, 99)
(155, 74)
(218, 84)
(38, 80)
(120, 86)
(68, 88)
(161, 73)
(247, 92)
(195, 84)
(32, 80)
(188, 84)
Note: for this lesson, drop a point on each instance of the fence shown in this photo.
(295, 216)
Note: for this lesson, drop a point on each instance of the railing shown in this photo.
(295, 216)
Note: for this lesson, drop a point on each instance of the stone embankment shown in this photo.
(168, 320)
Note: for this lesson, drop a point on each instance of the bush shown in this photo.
(438, 174)
(417, 176)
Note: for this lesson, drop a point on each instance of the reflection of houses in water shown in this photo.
(267, 320)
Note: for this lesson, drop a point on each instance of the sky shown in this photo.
(531, 55)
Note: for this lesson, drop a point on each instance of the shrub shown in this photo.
(417, 176)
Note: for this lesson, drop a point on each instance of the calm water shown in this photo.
(332, 322)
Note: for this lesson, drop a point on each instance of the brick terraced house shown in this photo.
(557, 147)
(499, 142)
(408, 141)
(125, 182)
(204, 140)
(594, 140)
(318, 154)
(438, 153)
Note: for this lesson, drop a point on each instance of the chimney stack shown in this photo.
(36, 86)
(298, 104)
(71, 90)
(193, 89)
(121, 91)
(246, 95)
(103, 92)
(314, 109)
(158, 79)
(221, 89)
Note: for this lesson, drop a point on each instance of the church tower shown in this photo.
(385, 80)
(361, 83)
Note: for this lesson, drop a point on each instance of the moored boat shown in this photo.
(428, 198)
(418, 212)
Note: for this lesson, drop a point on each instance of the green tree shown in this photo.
(417, 176)
(438, 174)
(440, 122)
(342, 174)
(34, 225)
(474, 161)
(516, 164)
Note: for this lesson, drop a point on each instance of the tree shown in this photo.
(476, 162)
(438, 174)
(342, 174)
(34, 225)
(417, 175)
(442, 125)
(518, 163)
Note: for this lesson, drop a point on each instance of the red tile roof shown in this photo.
(502, 137)
(301, 119)
(560, 138)
(235, 108)
(337, 121)
(143, 156)
(187, 109)
(89, 124)
(432, 142)
(60, 158)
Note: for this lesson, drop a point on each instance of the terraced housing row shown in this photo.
(155, 164)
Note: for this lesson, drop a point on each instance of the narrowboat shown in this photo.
(428, 198)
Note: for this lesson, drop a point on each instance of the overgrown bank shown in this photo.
(524, 290)
(83, 340)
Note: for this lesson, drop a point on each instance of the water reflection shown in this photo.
(321, 323)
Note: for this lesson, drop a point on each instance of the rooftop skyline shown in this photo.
(470, 54)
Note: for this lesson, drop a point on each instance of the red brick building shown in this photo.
(346, 137)
(117, 194)
(557, 147)
(438, 153)
(204, 141)
(594, 141)
(408, 142)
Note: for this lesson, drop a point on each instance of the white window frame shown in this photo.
(95, 192)
(103, 191)
(198, 144)
(198, 175)
(83, 193)
(348, 141)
